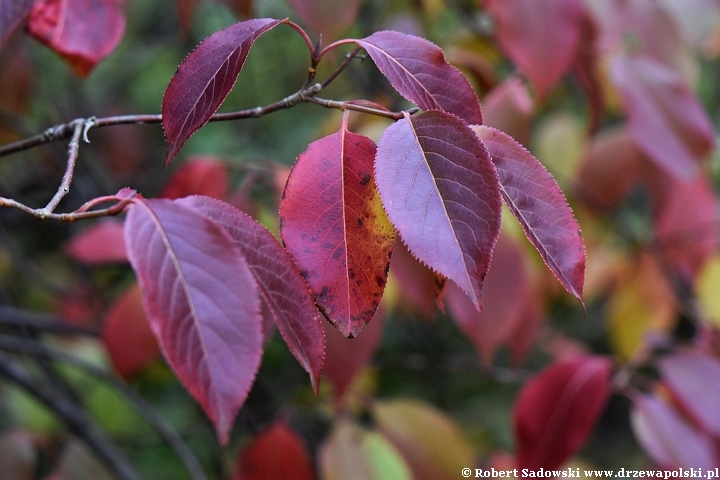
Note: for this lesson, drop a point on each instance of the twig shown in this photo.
(348, 58)
(73, 417)
(40, 322)
(164, 429)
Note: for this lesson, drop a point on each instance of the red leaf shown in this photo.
(345, 357)
(686, 227)
(333, 224)
(83, 32)
(509, 108)
(284, 294)
(667, 438)
(540, 36)
(12, 12)
(586, 68)
(103, 242)
(417, 69)
(441, 192)
(127, 335)
(694, 379)
(278, 453)
(536, 201)
(666, 119)
(557, 410)
(204, 79)
(506, 286)
(202, 303)
(327, 17)
(198, 176)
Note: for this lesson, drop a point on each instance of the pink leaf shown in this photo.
(509, 108)
(440, 190)
(127, 335)
(283, 292)
(666, 119)
(417, 69)
(198, 176)
(202, 303)
(327, 17)
(536, 201)
(335, 228)
(204, 79)
(667, 438)
(103, 242)
(12, 12)
(83, 32)
(540, 36)
(556, 411)
(277, 453)
(506, 286)
(694, 379)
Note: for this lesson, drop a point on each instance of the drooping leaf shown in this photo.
(694, 379)
(352, 451)
(537, 202)
(540, 36)
(334, 226)
(202, 303)
(83, 32)
(431, 443)
(327, 17)
(509, 108)
(556, 411)
(103, 242)
(283, 292)
(346, 357)
(417, 69)
(506, 286)
(276, 453)
(204, 79)
(667, 438)
(12, 12)
(686, 226)
(666, 119)
(441, 192)
(198, 176)
(126, 334)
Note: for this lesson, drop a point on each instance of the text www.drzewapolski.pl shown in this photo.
(577, 473)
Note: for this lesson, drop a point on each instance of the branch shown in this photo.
(164, 429)
(73, 417)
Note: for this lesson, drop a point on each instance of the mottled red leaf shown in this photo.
(506, 286)
(540, 36)
(83, 32)
(283, 292)
(440, 189)
(327, 17)
(556, 411)
(278, 453)
(666, 119)
(204, 79)
(333, 224)
(202, 303)
(12, 12)
(417, 69)
(509, 108)
(536, 201)
(686, 226)
(345, 357)
(103, 242)
(198, 176)
(126, 334)
(694, 379)
(667, 438)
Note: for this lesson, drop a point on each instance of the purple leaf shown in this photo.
(536, 201)
(440, 190)
(204, 79)
(282, 290)
(417, 69)
(202, 303)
